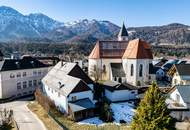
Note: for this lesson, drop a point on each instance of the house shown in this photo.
(179, 102)
(20, 77)
(133, 57)
(180, 74)
(71, 90)
(115, 91)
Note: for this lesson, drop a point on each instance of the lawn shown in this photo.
(70, 125)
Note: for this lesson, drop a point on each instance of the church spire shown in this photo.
(123, 34)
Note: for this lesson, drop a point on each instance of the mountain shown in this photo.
(37, 27)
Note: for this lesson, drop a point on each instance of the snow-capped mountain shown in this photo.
(15, 26)
(37, 27)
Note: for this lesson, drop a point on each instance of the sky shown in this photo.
(133, 12)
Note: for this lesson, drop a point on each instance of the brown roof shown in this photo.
(108, 49)
(138, 49)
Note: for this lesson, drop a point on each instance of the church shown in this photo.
(122, 60)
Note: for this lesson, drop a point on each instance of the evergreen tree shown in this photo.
(152, 113)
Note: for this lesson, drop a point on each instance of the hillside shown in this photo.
(39, 28)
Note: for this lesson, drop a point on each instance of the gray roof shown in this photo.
(117, 70)
(123, 31)
(184, 91)
(183, 69)
(58, 79)
(81, 104)
(114, 86)
(19, 64)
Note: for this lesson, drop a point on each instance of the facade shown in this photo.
(70, 89)
(179, 102)
(115, 91)
(20, 77)
(131, 57)
(180, 74)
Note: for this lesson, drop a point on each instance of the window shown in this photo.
(104, 68)
(175, 81)
(24, 84)
(34, 73)
(30, 91)
(30, 83)
(120, 80)
(133, 92)
(74, 98)
(132, 69)
(19, 85)
(177, 97)
(39, 72)
(140, 70)
(24, 74)
(18, 75)
(35, 83)
(39, 82)
(12, 75)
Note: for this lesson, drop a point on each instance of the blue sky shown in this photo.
(133, 12)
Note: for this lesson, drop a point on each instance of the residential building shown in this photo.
(180, 74)
(179, 102)
(71, 90)
(20, 77)
(115, 91)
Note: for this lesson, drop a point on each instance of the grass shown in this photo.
(70, 125)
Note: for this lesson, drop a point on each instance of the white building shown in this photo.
(180, 74)
(115, 91)
(20, 77)
(135, 56)
(179, 102)
(70, 89)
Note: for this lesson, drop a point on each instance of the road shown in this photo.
(25, 119)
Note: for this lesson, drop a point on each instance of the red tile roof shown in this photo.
(108, 49)
(138, 49)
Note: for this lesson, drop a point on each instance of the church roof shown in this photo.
(123, 31)
(108, 49)
(138, 49)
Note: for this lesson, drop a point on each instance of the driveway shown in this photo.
(25, 119)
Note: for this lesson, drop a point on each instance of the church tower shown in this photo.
(123, 34)
(136, 62)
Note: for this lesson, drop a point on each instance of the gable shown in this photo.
(80, 87)
(79, 73)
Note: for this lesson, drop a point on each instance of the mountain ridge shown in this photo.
(38, 27)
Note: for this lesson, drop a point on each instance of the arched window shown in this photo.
(104, 68)
(132, 69)
(140, 70)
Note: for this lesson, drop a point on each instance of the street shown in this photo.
(25, 119)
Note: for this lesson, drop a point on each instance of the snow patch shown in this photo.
(91, 121)
(122, 111)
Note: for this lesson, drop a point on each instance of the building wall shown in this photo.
(81, 95)
(173, 96)
(177, 80)
(100, 63)
(10, 79)
(136, 64)
(59, 99)
(121, 95)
